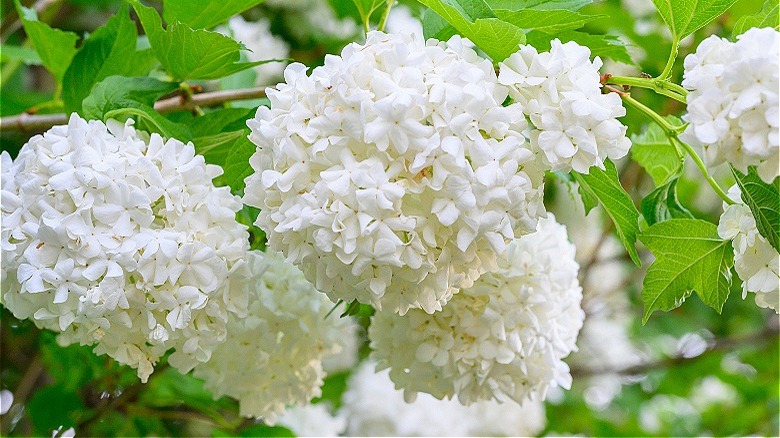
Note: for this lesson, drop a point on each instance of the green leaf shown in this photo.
(237, 166)
(662, 203)
(763, 200)
(227, 119)
(157, 122)
(605, 46)
(689, 256)
(116, 92)
(766, 17)
(204, 14)
(605, 185)
(108, 51)
(191, 54)
(653, 150)
(685, 17)
(216, 147)
(26, 55)
(476, 21)
(548, 21)
(55, 47)
(516, 5)
(436, 27)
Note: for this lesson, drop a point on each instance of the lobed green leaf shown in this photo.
(685, 17)
(766, 17)
(55, 47)
(108, 51)
(689, 256)
(186, 53)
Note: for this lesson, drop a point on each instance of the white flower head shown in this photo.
(122, 242)
(393, 174)
(733, 102)
(273, 356)
(502, 339)
(572, 122)
(373, 407)
(756, 261)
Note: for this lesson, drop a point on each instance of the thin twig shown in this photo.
(40, 122)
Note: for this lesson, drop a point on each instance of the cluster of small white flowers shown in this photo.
(393, 174)
(273, 356)
(756, 261)
(572, 122)
(313, 420)
(502, 339)
(121, 242)
(733, 103)
(262, 44)
(373, 407)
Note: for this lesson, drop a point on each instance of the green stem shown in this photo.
(663, 87)
(667, 73)
(383, 20)
(703, 168)
(672, 132)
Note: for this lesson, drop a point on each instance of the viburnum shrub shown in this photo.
(406, 216)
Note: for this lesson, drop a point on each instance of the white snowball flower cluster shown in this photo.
(122, 243)
(393, 175)
(273, 356)
(502, 339)
(373, 407)
(572, 122)
(733, 103)
(313, 420)
(262, 44)
(756, 261)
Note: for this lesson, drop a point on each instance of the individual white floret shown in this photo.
(756, 261)
(572, 122)
(733, 102)
(121, 242)
(313, 420)
(393, 174)
(273, 356)
(373, 407)
(262, 45)
(502, 339)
